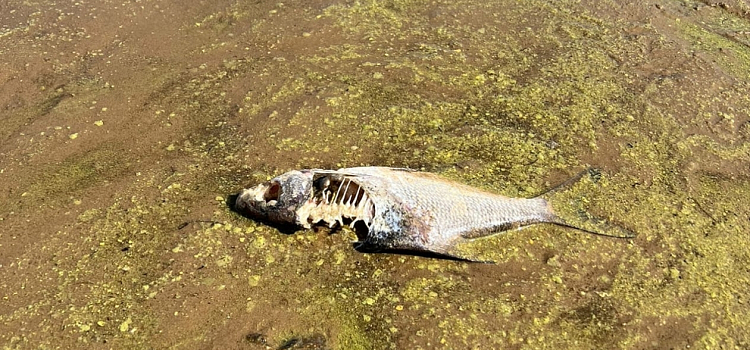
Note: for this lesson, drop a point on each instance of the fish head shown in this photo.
(279, 199)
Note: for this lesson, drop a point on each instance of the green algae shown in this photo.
(734, 56)
(563, 106)
(80, 172)
(502, 113)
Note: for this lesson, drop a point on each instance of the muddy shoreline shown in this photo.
(123, 121)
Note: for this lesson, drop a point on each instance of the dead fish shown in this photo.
(393, 209)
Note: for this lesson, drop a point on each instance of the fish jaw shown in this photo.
(279, 199)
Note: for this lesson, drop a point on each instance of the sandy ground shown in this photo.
(126, 125)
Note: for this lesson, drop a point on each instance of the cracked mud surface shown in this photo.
(126, 125)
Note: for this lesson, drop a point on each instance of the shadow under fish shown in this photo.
(404, 211)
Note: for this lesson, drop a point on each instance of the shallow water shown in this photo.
(127, 125)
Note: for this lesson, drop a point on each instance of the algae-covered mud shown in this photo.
(125, 126)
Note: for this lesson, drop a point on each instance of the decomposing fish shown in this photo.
(393, 209)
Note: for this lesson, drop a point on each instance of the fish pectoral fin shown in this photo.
(445, 254)
(426, 252)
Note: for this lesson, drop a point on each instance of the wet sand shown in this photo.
(126, 126)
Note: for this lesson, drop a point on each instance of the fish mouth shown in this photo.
(259, 199)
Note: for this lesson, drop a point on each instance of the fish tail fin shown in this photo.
(568, 208)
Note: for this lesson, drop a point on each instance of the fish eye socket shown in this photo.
(273, 192)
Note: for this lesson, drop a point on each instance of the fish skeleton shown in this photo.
(394, 209)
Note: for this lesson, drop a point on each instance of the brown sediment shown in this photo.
(175, 105)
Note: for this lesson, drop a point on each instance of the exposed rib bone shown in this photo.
(349, 202)
(356, 197)
(343, 197)
(336, 196)
(363, 202)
